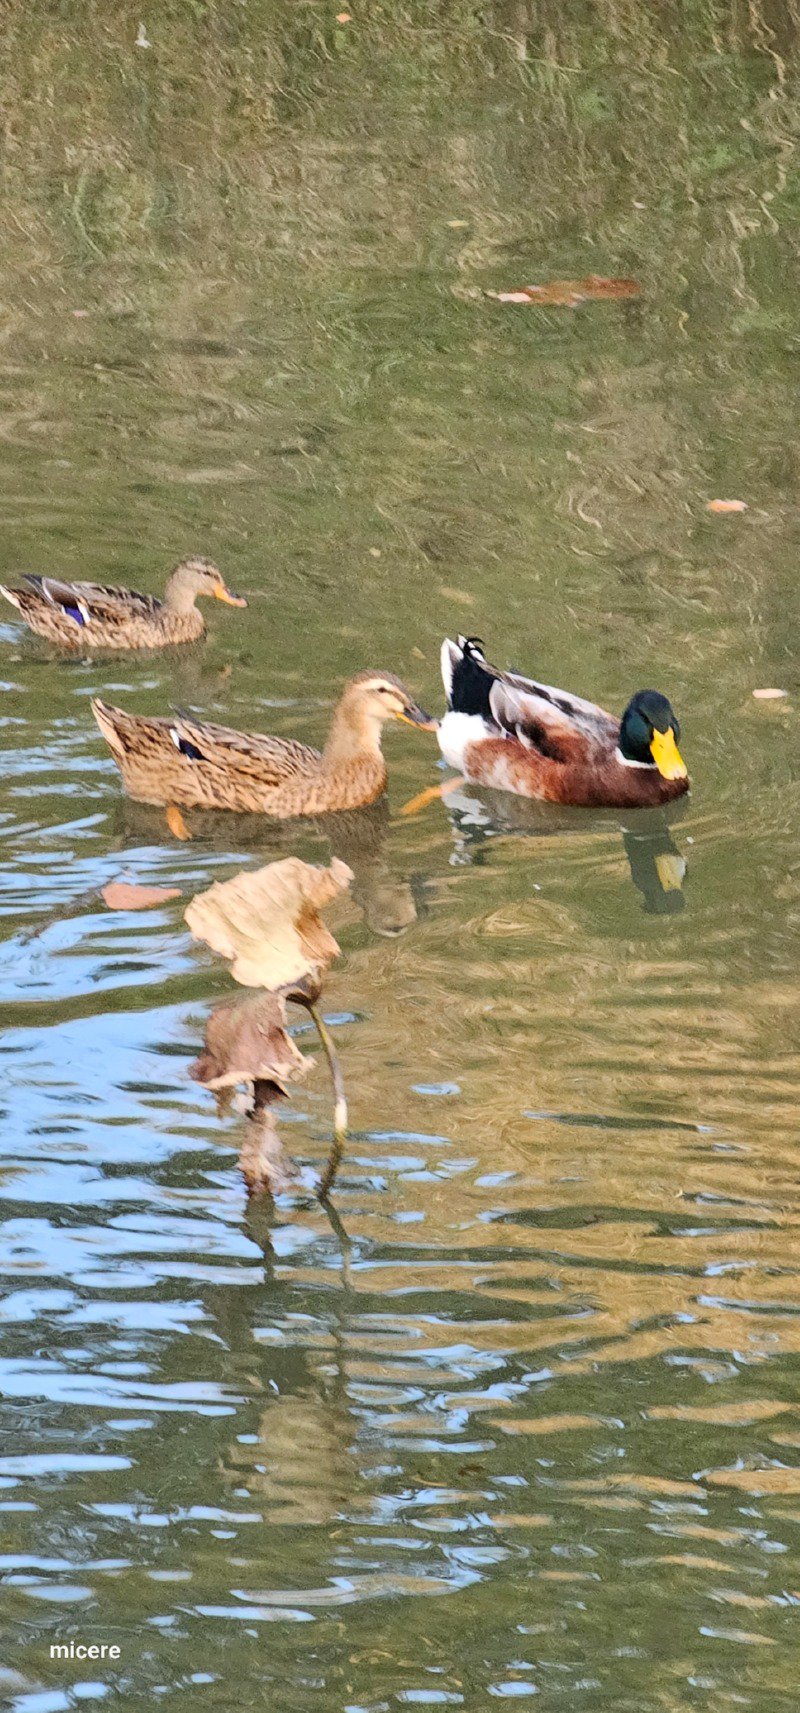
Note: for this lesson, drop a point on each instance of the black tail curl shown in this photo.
(472, 680)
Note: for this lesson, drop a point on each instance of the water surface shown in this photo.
(531, 1427)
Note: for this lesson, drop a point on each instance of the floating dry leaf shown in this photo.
(769, 695)
(595, 288)
(124, 895)
(246, 1040)
(344, 18)
(726, 506)
(268, 922)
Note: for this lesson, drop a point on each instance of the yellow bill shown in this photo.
(667, 756)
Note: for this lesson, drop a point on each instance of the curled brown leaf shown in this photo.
(268, 924)
(246, 1041)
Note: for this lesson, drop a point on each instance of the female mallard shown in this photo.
(88, 615)
(509, 732)
(186, 761)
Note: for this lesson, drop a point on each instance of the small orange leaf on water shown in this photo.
(343, 18)
(569, 293)
(124, 895)
(769, 695)
(726, 506)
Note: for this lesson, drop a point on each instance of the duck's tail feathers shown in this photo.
(106, 718)
(11, 595)
(458, 656)
(468, 677)
(450, 656)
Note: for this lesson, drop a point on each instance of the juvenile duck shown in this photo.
(512, 733)
(89, 615)
(192, 763)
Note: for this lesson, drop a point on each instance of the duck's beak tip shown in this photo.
(227, 595)
(415, 716)
(667, 756)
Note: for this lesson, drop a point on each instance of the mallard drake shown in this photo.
(512, 733)
(89, 615)
(198, 765)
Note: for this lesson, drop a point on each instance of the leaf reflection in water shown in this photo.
(268, 925)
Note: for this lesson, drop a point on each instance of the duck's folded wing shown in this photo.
(596, 719)
(101, 600)
(557, 724)
(244, 755)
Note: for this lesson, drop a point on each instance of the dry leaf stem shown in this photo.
(339, 1107)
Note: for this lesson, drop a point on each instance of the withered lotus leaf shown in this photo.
(268, 924)
(246, 1040)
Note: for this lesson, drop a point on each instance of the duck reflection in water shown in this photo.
(658, 870)
(657, 867)
(358, 836)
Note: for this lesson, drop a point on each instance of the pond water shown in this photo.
(529, 1423)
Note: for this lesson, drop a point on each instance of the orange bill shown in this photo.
(223, 593)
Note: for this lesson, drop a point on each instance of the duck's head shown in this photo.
(366, 703)
(196, 576)
(379, 696)
(649, 733)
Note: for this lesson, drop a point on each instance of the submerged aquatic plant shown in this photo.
(267, 924)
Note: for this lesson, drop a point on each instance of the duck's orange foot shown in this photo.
(176, 823)
(414, 804)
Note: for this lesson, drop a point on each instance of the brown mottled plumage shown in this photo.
(198, 765)
(89, 615)
(514, 734)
